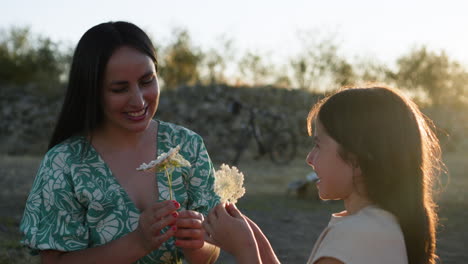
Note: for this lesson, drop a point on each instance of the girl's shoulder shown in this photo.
(370, 221)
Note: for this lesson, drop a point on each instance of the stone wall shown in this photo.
(27, 118)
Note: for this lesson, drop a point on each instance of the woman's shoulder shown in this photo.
(167, 126)
(174, 130)
(69, 149)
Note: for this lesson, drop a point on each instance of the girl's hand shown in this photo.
(231, 232)
(153, 220)
(190, 233)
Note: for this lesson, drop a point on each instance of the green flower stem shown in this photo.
(169, 180)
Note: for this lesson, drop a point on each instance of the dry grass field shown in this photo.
(292, 224)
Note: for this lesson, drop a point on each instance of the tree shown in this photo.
(27, 59)
(216, 60)
(319, 63)
(253, 69)
(180, 61)
(442, 79)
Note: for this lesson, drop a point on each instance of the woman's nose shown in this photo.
(137, 98)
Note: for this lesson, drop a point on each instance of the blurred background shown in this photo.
(274, 59)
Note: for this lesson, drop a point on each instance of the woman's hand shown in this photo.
(153, 220)
(231, 232)
(190, 233)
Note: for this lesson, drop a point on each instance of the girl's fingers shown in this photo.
(212, 216)
(220, 209)
(210, 240)
(233, 211)
(208, 228)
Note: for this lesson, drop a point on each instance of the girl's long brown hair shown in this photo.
(398, 153)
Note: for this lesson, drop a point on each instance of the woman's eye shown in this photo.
(148, 80)
(119, 90)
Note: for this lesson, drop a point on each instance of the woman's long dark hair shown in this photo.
(398, 153)
(82, 109)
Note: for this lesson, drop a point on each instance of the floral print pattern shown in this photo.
(76, 203)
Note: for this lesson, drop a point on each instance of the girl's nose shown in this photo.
(310, 159)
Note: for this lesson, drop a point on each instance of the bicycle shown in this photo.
(277, 140)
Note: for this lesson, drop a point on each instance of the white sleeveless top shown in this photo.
(369, 236)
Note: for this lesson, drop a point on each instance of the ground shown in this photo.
(292, 224)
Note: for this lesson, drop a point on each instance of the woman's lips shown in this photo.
(138, 115)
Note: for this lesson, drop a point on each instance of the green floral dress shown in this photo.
(76, 203)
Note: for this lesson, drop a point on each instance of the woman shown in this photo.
(376, 151)
(88, 202)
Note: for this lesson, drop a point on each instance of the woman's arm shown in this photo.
(129, 248)
(207, 254)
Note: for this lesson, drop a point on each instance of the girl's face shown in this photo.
(335, 175)
(130, 90)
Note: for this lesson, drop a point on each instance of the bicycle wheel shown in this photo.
(283, 147)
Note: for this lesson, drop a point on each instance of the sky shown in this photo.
(374, 29)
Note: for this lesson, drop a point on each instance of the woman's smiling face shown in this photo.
(130, 90)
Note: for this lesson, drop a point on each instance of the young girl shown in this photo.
(376, 151)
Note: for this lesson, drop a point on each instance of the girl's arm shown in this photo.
(129, 248)
(266, 251)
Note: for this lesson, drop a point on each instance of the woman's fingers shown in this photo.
(191, 214)
(162, 209)
(190, 233)
(189, 223)
(153, 220)
(162, 237)
(190, 243)
(157, 226)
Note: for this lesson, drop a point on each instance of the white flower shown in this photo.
(228, 184)
(170, 159)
